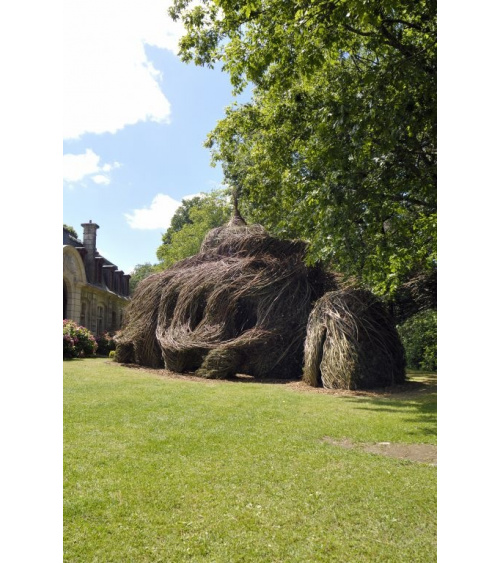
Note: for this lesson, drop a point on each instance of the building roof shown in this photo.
(68, 238)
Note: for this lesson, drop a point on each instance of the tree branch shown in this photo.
(404, 22)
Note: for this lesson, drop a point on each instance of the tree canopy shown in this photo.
(140, 272)
(338, 143)
(189, 225)
(180, 218)
(71, 230)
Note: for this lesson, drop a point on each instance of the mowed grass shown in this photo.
(167, 470)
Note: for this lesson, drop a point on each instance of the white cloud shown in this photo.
(158, 215)
(77, 167)
(108, 81)
(101, 179)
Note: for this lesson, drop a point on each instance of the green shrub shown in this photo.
(112, 354)
(419, 337)
(78, 341)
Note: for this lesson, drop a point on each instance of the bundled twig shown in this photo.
(352, 343)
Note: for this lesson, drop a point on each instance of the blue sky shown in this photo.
(135, 119)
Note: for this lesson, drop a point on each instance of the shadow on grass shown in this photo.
(97, 357)
(417, 383)
(417, 398)
(419, 412)
(191, 376)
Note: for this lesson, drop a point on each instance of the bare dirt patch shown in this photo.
(422, 453)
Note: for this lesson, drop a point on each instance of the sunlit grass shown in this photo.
(170, 470)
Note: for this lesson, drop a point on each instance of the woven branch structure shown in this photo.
(239, 306)
(352, 343)
(242, 305)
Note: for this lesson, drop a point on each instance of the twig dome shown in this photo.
(239, 306)
(243, 305)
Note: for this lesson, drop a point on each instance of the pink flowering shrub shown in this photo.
(78, 341)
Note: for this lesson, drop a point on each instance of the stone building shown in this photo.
(95, 291)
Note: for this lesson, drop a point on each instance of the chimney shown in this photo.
(89, 243)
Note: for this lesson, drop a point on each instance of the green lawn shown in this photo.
(167, 470)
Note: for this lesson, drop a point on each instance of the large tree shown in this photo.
(338, 143)
(189, 225)
(140, 272)
(180, 219)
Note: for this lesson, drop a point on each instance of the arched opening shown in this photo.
(246, 315)
(197, 312)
